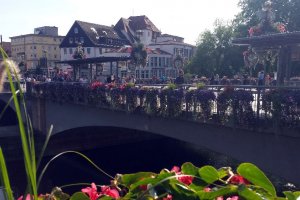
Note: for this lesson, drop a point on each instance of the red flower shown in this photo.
(105, 190)
(96, 85)
(143, 187)
(188, 180)
(237, 179)
(91, 191)
(169, 197)
(183, 179)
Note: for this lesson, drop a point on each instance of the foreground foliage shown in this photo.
(188, 182)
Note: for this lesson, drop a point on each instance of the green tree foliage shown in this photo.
(215, 54)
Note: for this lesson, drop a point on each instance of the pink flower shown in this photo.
(169, 197)
(281, 28)
(237, 179)
(175, 169)
(91, 192)
(207, 189)
(105, 190)
(251, 31)
(219, 198)
(233, 198)
(27, 197)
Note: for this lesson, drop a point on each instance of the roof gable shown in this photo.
(93, 35)
(141, 23)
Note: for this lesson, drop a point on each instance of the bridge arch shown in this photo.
(263, 149)
(9, 117)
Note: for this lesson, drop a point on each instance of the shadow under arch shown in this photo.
(9, 117)
(115, 150)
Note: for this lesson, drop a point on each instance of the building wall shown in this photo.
(145, 36)
(30, 48)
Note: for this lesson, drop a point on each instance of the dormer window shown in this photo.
(71, 40)
(75, 30)
(81, 40)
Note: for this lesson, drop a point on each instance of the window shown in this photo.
(76, 40)
(142, 74)
(155, 61)
(75, 30)
(163, 61)
(147, 74)
(70, 50)
(65, 51)
(88, 50)
(54, 48)
(168, 62)
(137, 74)
(81, 40)
(159, 61)
(54, 39)
(71, 40)
(100, 50)
(55, 56)
(151, 61)
(34, 47)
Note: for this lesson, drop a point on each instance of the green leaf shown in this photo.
(4, 177)
(297, 194)
(209, 174)
(151, 180)
(256, 176)
(79, 196)
(106, 198)
(223, 172)
(230, 189)
(290, 195)
(189, 169)
(248, 194)
(128, 179)
(180, 191)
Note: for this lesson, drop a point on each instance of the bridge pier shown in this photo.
(37, 112)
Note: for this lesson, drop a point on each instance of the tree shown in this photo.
(286, 11)
(215, 54)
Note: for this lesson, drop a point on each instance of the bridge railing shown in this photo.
(250, 107)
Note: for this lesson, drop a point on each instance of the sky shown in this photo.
(185, 18)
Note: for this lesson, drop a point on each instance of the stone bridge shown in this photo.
(270, 143)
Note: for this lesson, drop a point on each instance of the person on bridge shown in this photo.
(180, 78)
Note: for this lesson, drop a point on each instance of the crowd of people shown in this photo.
(261, 79)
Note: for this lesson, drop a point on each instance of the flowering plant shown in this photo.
(187, 182)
